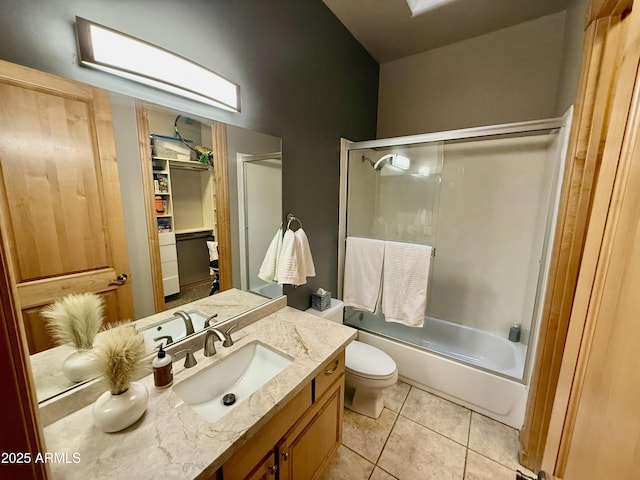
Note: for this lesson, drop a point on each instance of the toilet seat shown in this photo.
(368, 362)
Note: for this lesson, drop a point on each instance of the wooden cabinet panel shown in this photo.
(315, 438)
(266, 470)
(243, 461)
(329, 374)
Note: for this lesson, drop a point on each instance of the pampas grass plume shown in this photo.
(118, 355)
(75, 319)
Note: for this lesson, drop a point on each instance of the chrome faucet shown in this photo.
(207, 322)
(210, 340)
(187, 320)
(189, 358)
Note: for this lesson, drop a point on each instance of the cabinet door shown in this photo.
(314, 439)
(60, 207)
(266, 470)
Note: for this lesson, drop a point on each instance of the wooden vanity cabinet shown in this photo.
(297, 443)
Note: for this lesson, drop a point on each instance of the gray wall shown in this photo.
(571, 54)
(510, 75)
(302, 75)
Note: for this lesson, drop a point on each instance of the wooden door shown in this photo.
(594, 430)
(60, 207)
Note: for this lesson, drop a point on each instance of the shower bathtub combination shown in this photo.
(485, 199)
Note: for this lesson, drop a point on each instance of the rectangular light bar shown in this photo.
(120, 54)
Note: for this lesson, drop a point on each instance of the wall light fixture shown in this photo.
(120, 54)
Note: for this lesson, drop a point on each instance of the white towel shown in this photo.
(307, 268)
(405, 279)
(363, 273)
(213, 254)
(288, 264)
(269, 268)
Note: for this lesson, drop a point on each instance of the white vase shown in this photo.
(112, 413)
(79, 366)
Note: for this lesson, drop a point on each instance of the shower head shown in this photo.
(398, 161)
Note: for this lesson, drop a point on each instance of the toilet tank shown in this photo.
(333, 313)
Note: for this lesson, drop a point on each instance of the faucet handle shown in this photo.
(228, 341)
(189, 358)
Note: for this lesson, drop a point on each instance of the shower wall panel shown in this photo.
(493, 209)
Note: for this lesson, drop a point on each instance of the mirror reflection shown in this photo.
(184, 226)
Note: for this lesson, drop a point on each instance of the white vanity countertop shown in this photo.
(173, 441)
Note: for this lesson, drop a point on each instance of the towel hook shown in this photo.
(292, 218)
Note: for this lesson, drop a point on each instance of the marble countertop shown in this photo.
(173, 441)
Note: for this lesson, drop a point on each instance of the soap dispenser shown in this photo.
(162, 369)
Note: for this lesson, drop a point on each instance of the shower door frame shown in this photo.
(243, 207)
(560, 123)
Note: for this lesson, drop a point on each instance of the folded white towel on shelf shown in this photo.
(307, 268)
(405, 279)
(213, 254)
(363, 273)
(269, 268)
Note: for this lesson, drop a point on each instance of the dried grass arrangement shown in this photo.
(75, 319)
(118, 357)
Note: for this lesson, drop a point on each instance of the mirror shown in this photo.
(186, 218)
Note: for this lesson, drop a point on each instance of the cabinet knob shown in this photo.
(285, 456)
(273, 469)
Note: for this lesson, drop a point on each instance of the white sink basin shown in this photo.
(173, 327)
(241, 373)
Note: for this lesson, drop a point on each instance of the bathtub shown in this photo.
(470, 367)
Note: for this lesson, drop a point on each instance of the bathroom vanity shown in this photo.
(291, 425)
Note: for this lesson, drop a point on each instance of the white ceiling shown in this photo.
(388, 31)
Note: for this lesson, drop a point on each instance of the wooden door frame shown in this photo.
(20, 404)
(221, 182)
(623, 134)
(594, 107)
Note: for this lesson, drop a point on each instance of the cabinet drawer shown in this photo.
(170, 285)
(168, 253)
(331, 371)
(167, 238)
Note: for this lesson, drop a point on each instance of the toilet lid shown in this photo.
(365, 359)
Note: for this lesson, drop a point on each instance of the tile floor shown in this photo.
(422, 436)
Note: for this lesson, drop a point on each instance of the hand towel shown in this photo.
(307, 268)
(213, 254)
(405, 280)
(269, 268)
(289, 262)
(363, 273)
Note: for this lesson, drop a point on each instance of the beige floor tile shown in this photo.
(347, 465)
(366, 436)
(438, 414)
(494, 440)
(379, 474)
(415, 452)
(482, 468)
(395, 396)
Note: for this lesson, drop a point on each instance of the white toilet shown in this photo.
(368, 369)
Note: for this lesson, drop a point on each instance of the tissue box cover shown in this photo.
(321, 302)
